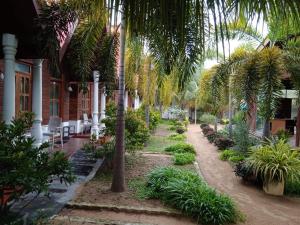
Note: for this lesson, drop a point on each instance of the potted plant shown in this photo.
(24, 167)
(275, 163)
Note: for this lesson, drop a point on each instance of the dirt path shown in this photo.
(259, 208)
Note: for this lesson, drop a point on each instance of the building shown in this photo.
(26, 83)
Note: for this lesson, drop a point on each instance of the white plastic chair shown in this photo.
(55, 130)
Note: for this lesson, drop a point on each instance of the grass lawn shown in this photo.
(159, 141)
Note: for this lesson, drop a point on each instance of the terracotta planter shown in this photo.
(7, 193)
(104, 139)
(274, 188)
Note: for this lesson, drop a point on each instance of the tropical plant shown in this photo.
(25, 167)
(242, 139)
(226, 154)
(243, 170)
(275, 162)
(207, 118)
(184, 158)
(185, 191)
(181, 148)
(177, 137)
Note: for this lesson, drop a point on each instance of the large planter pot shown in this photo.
(274, 188)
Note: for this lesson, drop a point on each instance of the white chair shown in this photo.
(87, 123)
(55, 130)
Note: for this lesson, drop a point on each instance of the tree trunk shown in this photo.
(298, 128)
(266, 132)
(118, 180)
(216, 124)
(195, 112)
(147, 107)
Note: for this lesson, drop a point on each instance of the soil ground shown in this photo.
(97, 191)
(259, 208)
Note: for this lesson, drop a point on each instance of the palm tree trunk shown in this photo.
(298, 128)
(118, 181)
(266, 132)
(147, 106)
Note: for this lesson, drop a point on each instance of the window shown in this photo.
(23, 92)
(54, 99)
(86, 102)
(23, 68)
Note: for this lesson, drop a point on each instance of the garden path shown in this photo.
(259, 208)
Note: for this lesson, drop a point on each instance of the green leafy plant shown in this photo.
(283, 134)
(202, 125)
(275, 162)
(184, 158)
(226, 154)
(207, 129)
(181, 148)
(136, 132)
(180, 129)
(242, 139)
(153, 119)
(177, 137)
(208, 118)
(24, 167)
(185, 191)
(292, 187)
(236, 158)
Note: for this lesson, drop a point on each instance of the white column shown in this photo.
(126, 100)
(9, 43)
(95, 125)
(136, 100)
(36, 130)
(102, 108)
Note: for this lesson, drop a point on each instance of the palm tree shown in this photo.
(182, 28)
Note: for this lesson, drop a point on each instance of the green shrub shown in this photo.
(223, 143)
(208, 118)
(283, 134)
(25, 167)
(224, 121)
(154, 117)
(226, 154)
(184, 158)
(186, 191)
(177, 137)
(242, 139)
(292, 187)
(136, 132)
(107, 150)
(181, 148)
(275, 162)
(236, 158)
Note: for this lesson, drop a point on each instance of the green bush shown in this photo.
(226, 154)
(202, 125)
(184, 158)
(275, 162)
(208, 118)
(24, 167)
(283, 134)
(292, 187)
(224, 121)
(136, 132)
(177, 137)
(181, 148)
(207, 129)
(180, 129)
(242, 139)
(154, 117)
(236, 158)
(186, 191)
(243, 170)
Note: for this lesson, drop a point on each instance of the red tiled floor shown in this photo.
(72, 145)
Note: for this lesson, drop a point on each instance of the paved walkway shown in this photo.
(259, 208)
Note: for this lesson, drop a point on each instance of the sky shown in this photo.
(261, 27)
